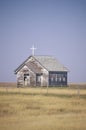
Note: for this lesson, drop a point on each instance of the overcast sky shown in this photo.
(55, 27)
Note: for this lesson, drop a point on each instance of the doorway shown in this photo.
(26, 80)
(38, 79)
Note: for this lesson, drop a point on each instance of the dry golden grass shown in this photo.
(35, 109)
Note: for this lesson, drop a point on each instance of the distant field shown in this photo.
(42, 109)
(71, 85)
(80, 85)
(7, 84)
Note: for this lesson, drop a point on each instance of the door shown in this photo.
(26, 80)
(38, 79)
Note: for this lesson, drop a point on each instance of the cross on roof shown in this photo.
(33, 50)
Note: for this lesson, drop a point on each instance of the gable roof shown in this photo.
(48, 62)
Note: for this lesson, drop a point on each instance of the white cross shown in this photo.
(33, 50)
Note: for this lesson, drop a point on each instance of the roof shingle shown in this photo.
(50, 63)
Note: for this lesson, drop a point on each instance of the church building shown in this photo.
(41, 71)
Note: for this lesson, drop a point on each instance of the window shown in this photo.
(56, 79)
(26, 76)
(64, 79)
(59, 79)
(52, 79)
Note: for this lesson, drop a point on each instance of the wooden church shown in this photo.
(41, 71)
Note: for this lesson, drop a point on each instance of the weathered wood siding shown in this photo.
(32, 74)
(30, 79)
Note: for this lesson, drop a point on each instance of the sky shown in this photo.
(54, 27)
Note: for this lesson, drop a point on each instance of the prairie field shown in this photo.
(42, 108)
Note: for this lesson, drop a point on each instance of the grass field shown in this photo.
(39, 109)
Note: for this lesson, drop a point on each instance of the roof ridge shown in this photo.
(43, 55)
